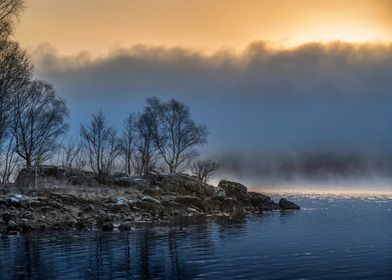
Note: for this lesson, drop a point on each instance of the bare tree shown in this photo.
(15, 67)
(204, 169)
(147, 154)
(128, 141)
(15, 72)
(9, 160)
(9, 12)
(70, 151)
(102, 145)
(14, 64)
(38, 121)
(176, 135)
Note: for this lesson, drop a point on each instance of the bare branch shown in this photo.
(102, 145)
(204, 169)
(38, 121)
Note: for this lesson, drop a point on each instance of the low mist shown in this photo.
(318, 111)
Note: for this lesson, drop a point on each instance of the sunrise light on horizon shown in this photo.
(98, 26)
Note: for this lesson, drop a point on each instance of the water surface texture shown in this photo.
(331, 238)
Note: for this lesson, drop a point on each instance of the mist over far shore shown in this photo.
(326, 186)
(316, 111)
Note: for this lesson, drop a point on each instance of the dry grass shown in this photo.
(82, 191)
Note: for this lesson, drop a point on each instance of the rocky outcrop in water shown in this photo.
(284, 204)
(68, 199)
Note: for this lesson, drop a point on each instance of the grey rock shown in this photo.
(235, 190)
(288, 205)
(230, 204)
(262, 202)
(121, 201)
(219, 193)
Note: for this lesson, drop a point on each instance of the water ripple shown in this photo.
(331, 238)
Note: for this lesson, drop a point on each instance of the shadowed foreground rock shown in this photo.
(74, 199)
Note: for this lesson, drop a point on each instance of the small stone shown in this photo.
(121, 201)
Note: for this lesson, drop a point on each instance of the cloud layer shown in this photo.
(261, 105)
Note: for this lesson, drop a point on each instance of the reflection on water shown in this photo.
(332, 238)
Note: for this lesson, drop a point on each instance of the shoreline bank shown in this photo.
(77, 201)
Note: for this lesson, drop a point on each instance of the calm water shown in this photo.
(331, 238)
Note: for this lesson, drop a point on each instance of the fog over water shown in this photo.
(318, 111)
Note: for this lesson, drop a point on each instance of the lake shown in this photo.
(332, 237)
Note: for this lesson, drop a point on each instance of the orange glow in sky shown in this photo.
(98, 25)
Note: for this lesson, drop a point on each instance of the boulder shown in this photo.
(287, 205)
(236, 190)
(190, 201)
(262, 202)
(231, 204)
(219, 193)
(212, 204)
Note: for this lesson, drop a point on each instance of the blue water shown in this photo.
(331, 238)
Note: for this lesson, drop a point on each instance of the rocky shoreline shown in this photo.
(60, 200)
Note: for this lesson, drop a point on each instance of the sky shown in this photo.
(98, 25)
(301, 85)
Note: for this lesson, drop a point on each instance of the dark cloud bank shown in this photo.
(314, 110)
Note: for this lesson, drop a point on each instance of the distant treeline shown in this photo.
(33, 120)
